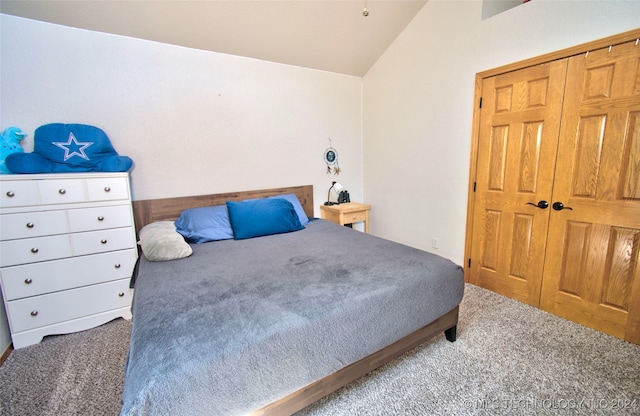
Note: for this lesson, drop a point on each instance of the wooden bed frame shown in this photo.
(151, 210)
(148, 211)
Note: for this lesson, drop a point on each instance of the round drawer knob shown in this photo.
(121, 294)
(107, 189)
(30, 225)
(103, 241)
(34, 250)
(62, 191)
(34, 313)
(100, 218)
(117, 265)
(10, 194)
(28, 281)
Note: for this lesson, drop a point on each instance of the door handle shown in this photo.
(559, 206)
(542, 204)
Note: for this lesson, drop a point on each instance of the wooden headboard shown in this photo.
(150, 210)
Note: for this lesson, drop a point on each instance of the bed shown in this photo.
(270, 324)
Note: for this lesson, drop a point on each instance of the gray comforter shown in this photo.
(240, 324)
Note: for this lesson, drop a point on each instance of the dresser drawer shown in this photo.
(31, 250)
(68, 189)
(38, 311)
(52, 276)
(88, 219)
(108, 189)
(18, 193)
(60, 191)
(102, 241)
(43, 223)
(33, 224)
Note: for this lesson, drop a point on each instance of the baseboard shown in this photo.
(6, 353)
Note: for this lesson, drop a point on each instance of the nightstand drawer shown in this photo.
(38, 311)
(355, 217)
(40, 278)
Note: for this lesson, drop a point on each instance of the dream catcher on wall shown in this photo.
(331, 159)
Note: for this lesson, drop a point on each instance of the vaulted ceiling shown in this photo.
(329, 35)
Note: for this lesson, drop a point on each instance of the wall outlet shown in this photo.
(435, 242)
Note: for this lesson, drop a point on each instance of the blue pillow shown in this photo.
(302, 216)
(200, 225)
(259, 217)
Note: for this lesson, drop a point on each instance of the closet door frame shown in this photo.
(553, 56)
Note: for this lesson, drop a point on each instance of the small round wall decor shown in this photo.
(331, 160)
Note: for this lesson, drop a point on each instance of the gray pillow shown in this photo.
(161, 242)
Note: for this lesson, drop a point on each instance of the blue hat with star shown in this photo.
(69, 148)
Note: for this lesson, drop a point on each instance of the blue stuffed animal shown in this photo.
(10, 143)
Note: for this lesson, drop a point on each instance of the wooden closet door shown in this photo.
(592, 272)
(517, 143)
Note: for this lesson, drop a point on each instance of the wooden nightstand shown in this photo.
(347, 213)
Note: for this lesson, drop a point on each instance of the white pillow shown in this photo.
(161, 242)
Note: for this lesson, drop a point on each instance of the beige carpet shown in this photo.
(509, 359)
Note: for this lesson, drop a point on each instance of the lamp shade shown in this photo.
(338, 188)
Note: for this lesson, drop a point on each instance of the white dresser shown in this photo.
(67, 251)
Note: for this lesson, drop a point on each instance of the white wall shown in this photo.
(194, 122)
(418, 105)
